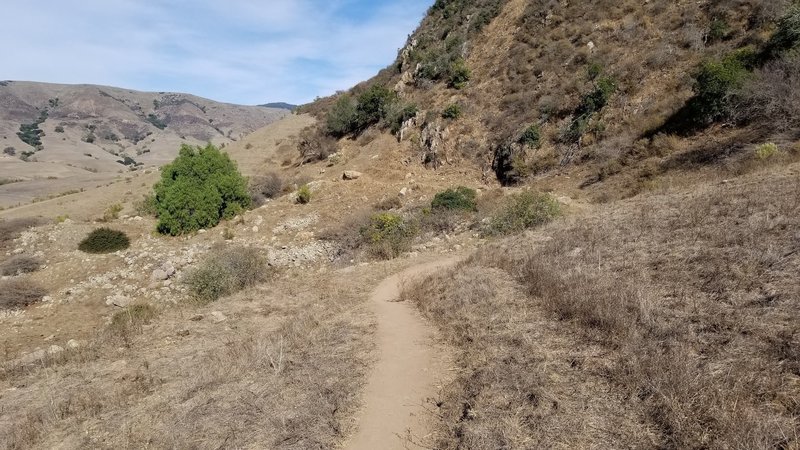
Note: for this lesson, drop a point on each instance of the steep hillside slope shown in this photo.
(613, 92)
(59, 138)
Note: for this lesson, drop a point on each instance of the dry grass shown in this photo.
(19, 293)
(679, 315)
(20, 264)
(11, 229)
(282, 371)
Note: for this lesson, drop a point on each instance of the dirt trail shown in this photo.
(406, 373)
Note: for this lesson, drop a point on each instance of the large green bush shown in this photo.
(458, 198)
(341, 119)
(197, 190)
(104, 240)
(373, 105)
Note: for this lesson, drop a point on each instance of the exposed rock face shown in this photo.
(432, 142)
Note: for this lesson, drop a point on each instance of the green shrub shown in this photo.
(719, 30)
(787, 36)
(59, 129)
(304, 194)
(104, 240)
(156, 121)
(458, 198)
(715, 82)
(388, 235)
(398, 114)
(531, 137)
(224, 272)
(341, 119)
(373, 105)
(197, 190)
(766, 151)
(522, 211)
(458, 74)
(591, 103)
(452, 112)
(19, 293)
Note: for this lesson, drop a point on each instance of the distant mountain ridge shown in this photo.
(280, 105)
(63, 123)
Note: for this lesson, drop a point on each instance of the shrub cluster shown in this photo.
(353, 116)
(715, 83)
(603, 88)
(225, 272)
(197, 190)
(522, 211)
(388, 235)
(462, 198)
(104, 240)
(531, 137)
(452, 111)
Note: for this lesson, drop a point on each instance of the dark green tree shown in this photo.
(197, 190)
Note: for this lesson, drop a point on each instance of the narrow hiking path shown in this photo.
(394, 414)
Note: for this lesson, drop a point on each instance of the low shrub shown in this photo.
(341, 119)
(226, 271)
(398, 113)
(19, 293)
(388, 235)
(531, 137)
(20, 264)
(112, 212)
(787, 36)
(459, 198)
(522, 211)
(304, 194)
(458, 74)
(767, 150)
(715, 83)
(265, 187)
(452, 112)
(104, 240)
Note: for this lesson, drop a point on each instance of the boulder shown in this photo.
(351, 175)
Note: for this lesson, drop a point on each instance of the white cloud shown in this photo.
(241, 51)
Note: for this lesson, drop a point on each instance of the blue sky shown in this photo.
(238, 51)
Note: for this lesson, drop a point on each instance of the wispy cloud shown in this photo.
(241, 51)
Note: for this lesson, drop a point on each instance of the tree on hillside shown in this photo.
(197, 190)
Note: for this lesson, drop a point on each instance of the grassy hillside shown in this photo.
(604, 89)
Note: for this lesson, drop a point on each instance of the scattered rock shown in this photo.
(218, 317)
(255, 229)
(73, 344)
(54, 350)
(183, 333)
(404, 191)
(351, 175)
(159, 275)
(118, 300)
(33, 357)
(196, 318)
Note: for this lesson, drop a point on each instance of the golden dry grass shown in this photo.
(664, 321)
(283, 371)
